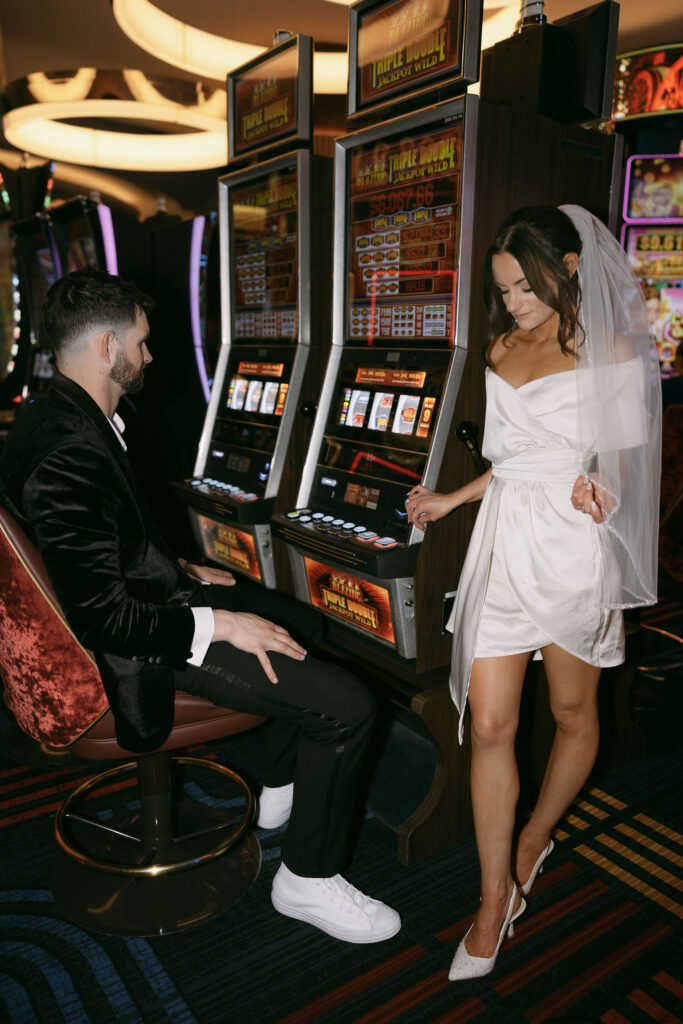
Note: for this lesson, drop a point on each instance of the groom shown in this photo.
(157, 624)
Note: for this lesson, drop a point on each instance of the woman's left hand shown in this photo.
(208, 574)
(587, 498)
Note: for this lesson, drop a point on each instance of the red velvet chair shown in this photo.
(150, 869)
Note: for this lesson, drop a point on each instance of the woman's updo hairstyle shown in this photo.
(538, 237)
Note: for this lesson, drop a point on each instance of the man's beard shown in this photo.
(126, 376)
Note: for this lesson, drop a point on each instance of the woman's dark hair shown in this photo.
(538, 237)
(87, 300)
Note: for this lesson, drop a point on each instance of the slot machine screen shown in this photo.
(40, 267)
(38, 260)
(78, 246)
(400, 49)
(656, 255)
(265, 258)
(653, 189)
(249, 415)
(404, 198)
(378, 434)
(269, 98)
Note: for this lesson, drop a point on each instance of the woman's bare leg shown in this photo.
(573, 686)
(494, 699)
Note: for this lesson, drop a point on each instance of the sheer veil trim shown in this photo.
(619, 411)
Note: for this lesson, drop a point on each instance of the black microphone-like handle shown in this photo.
(467, 433)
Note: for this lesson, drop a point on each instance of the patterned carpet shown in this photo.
(600, 942)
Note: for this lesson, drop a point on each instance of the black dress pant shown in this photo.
(321, 724)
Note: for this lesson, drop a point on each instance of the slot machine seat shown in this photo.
(158, 863)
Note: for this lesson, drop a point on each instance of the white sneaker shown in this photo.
(335, 906)
(275, 806)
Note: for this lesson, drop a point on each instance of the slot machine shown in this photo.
(38, 267)
(418, 198)
(652, 236)
(405, 200)
(84, 233)
(275, 267)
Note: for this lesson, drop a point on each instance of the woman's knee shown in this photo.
(575, 717)
(490, 729)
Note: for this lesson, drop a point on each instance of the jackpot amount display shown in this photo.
(404, 200)
(265, 255)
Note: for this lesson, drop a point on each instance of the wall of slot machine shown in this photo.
(403, 226)
(275, 270)
(652, 235)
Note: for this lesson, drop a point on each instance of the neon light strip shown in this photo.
(195, 319)
(108, 238)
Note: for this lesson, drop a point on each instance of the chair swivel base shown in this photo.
(116, 904)
(160, 866)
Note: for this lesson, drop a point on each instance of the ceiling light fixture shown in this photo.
(211, 56)
(42, 128)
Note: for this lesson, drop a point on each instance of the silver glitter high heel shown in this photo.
(466, 966)
(537, 869)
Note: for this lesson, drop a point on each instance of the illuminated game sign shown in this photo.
(403, 237)
(355, 601)
(655, 252)
(231, 547)
(265, 258)
(269, 98)
(654, 188)
(400, 47)
(648, 82)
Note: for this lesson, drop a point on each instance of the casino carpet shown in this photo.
(600, 942)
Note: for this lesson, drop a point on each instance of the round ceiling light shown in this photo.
(43, 127)
(211, 56)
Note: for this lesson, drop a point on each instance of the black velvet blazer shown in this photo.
(125, 596)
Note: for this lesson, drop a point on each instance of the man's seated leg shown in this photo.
(334, 717)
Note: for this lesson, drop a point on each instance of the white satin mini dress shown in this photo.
(535, 568)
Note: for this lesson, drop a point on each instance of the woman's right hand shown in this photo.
(424, 506)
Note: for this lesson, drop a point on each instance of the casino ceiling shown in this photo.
(49, 36)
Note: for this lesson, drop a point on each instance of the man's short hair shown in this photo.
(90, 300)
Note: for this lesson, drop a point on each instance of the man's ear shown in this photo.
(107, 347)
(571, 262)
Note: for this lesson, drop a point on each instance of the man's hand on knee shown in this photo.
(255, 635)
